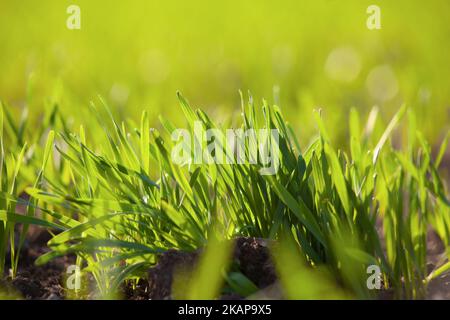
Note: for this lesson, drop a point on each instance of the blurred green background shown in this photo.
(299, 54)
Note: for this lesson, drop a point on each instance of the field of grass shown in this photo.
(87, 120)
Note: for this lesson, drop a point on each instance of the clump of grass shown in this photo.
(10, 192)
(121, 200)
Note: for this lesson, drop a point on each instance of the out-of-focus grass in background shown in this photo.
(318, 53)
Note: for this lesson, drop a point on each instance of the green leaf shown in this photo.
(298, 208)
(18, 218)
(338, 178)
(240, 284)
(391, 126)
(145, 142)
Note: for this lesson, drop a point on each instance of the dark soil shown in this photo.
(439, 288)
(251, 257)
(160, 277)
(32, 282)
(255, 261)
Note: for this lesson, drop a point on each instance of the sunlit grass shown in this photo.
(122, 201)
